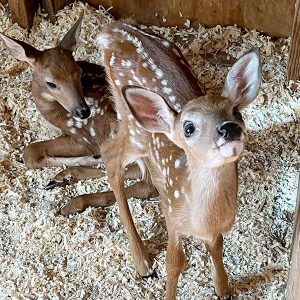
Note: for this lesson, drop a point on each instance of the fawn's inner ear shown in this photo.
(20, 50)
(243, 80)
(149, 108)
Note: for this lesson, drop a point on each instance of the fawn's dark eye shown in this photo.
(236, 113)
(189, 128)
(51, 85)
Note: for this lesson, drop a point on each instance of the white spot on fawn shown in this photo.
(112, 59)
(70, 123)
(103, 40)
(177, 163)
(153, 66)
(166, 43)
(117, 82)
(132, 132)
(139, 50)
(177, 107)
(164, 171)
(79, 124)
(159, 73)
(167, 90)
(92, 131)
(172, 98)
(126, 63)
(176, 194)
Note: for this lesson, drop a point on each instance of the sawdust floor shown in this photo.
(85, 256)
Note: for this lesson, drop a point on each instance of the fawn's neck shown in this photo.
(211, 183)
(212, 201)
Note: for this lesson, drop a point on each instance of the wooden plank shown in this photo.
(22, 11)
(59, 4)
(48, 5)
(272, 17)
(293, 69)
(293, 289)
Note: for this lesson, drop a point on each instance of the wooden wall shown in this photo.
(273, 17)
(293, 289)
(293, 69)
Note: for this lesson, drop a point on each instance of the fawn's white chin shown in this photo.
(231, 149)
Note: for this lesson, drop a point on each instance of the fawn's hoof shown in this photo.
(70, 210)
(152, 275)
(52, 184)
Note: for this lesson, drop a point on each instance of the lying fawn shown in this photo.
(190, 142)
(73, 97)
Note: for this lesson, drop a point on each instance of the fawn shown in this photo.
(189, 141)
(73, 97)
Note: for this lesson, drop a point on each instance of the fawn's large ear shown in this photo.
(71, 38)
(243, 79)
(20, 50)
(150, 109)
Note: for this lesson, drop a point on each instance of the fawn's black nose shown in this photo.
(230, 131)
(83, 112)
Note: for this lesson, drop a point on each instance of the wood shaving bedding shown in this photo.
(85, 256)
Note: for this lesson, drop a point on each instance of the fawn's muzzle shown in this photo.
(82, 112)
(230, 131)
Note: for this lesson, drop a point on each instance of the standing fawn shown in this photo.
(190, 142)
(73, 97)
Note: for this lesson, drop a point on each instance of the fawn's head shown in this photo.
(209, 128)
(55, 71)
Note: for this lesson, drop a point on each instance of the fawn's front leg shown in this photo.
(215, 248)
(113, 158)
(142, 190)
(64, 150)
(175, 263)
(74, 174)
